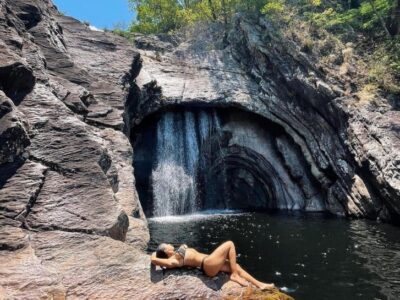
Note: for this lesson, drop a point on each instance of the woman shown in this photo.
(222, 259)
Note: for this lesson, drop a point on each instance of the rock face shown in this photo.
(71, 224)
(335, 152)
(217, 158)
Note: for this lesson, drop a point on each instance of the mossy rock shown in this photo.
(231, 291)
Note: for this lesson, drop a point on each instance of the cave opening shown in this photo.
(189, 159)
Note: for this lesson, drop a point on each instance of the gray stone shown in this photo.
(71, 225)
(339, 139)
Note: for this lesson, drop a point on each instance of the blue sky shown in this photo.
(100, 13)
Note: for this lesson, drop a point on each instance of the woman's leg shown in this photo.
(215, 261)
(242, 273)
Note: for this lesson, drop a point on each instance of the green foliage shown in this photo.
(121, 32)
(156, 16)
(384, 67)
(273, 7)
(369, 16)
(372, 27)
(321, 28)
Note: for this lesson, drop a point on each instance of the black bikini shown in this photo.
(182, 252)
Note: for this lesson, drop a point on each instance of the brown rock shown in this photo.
(67, 197)
(20, 192)
(22, 276)
(13, 135)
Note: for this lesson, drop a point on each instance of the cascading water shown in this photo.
(192, 159)
(181, 137)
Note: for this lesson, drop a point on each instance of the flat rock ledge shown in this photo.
(99, 267)
(190, 283)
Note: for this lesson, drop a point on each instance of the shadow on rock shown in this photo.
(156, 275)
(220, 284)
(166, 275)
(16, 80)
(7, 170)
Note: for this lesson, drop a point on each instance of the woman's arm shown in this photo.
(169, 263)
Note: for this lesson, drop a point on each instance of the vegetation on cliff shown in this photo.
(371, 16)
(366, 32)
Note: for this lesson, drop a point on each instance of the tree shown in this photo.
(154, 16)
(393, 23)
(379, 16)
(210, 4)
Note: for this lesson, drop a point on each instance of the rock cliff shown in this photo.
(334, 152)
(71, 224)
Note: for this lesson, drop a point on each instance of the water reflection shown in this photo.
(377, 249)
(309, 256)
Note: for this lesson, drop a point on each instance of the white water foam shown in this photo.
(180, 137)
(206, 214)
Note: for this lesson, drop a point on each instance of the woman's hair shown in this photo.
(160, 252)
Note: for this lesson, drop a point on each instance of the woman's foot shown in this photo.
(267, 286)
(235, 277)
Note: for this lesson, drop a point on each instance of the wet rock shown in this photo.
(339, 141)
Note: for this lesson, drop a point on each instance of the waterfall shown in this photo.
(180, 139)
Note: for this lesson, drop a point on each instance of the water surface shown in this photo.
(309, 256)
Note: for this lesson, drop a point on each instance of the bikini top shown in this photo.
(182, 252)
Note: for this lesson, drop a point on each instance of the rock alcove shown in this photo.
(289, 137)
(70, 98)
(192, 158)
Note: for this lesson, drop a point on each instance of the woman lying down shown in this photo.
(222, 259)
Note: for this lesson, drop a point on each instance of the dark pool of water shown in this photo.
(308, 256)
